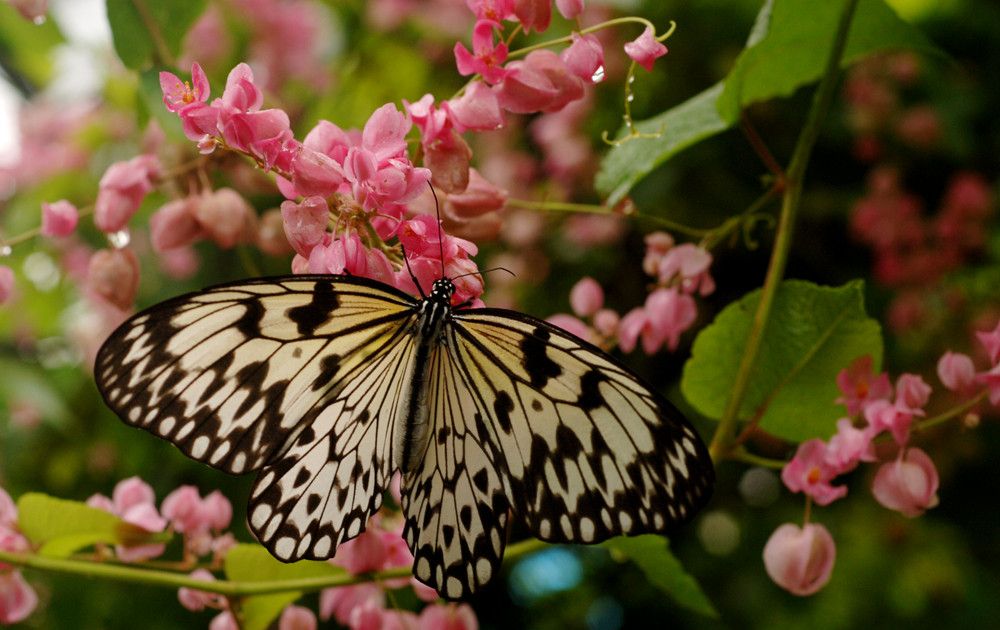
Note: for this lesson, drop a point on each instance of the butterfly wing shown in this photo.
(281, 374)
(587, 449)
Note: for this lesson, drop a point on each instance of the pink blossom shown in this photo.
(315, 173)
(330, 140)
(689, 263)
(114, 275)
(991, 379)
(479, 197)
(131, 492)
(174, 225)
(956, 371)
(184, 508)
(570, 324)
(448, 160)
(645, 49)
(188, 100)
(224, 621)
(195, 600)
(59, 218)
(849, 446)
(477, 108)
(991, 341)
(449, 616)
(606, 322)
(432, 122)
(541, 83)
(121, 189)
(17, 598)
(533, 14)
(218, 510)
(339, 602)
(6, 283)
(884, 416)
(860, 387)
(145, 516)
(912, 393)
(570, 9)
(800, 560)
(396, 619)
(584, 57)
(586, 297)
(909, 484)
(493, 10)
(810, 472)
(297, 618)
(630, 328)
(8, 509)
(347, 254)
(305, 223)
(225, 217)
(669, 314)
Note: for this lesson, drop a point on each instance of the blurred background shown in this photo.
(901, 191)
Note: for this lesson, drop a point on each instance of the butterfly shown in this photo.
(327, 384)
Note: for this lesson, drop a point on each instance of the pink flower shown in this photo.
(991, 341)
(912, 393)
(339, 602)
(991, 379)
(448, 160)
(493, 10)
(569, 9)
(305, 223)
(479, 197)
(477, 108)
(884, 416)
(174, 225)
(448, 617)
(195, 600)
(606, 322)
(183, 507)
(59, 218)
(957, 372)
(218, 511)
(114, 275)
(225, 217)
(6, 283)
(909, 484)
(800, 560)
(17, 598)
(297, 618)
(223, 621)
(8, 509)
(570, 324)
(121, 189)
(584, 57)
(810, 472)
(860, 387)
(347, 254)
(486, 59)
(586, 297)
(689, 263)
(533, 14)
(131, 492)
(849, 446)
(315, 173)
(645, 49)
(669, 314)
(541, 83)
(178, 95)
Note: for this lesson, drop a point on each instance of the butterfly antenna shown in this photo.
(437, 211)
(406, 261)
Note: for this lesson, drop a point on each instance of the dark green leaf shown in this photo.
(663, 570)
(814, 332)
(150, 31)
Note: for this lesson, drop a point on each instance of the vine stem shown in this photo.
(723, 438)
(229, 588)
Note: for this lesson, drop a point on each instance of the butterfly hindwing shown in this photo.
(587, 449)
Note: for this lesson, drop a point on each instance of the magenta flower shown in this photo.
(957, 372)
(800, 560)
(533, 14)
(645, 49)
(17, 598)
(849, 446)
(297, 618)
(586, 297)
(909, 484)
(121, 189)
(178, 95)
(884, 416)
(569, 9)
(810, 472)
(492, 10)
(341, 602)
(132, 501)
(478, 108)
(225, 217)
(479, 197)
(305, 223)
(486, 59)
(174, 225)
(991, 379)
(912, 393)
(670, 313)
(860, 387)
(195, 600)
(584, 57)
(541, 83)
(59, 218)
(689, 264)
(991, 341)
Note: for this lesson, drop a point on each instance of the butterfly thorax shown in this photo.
(412, 421)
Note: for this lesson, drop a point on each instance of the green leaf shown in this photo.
(663, 570)
(253, 563)
(814, 332)
(151, 31)
(674, 130)
(791, 40)
(63, 527)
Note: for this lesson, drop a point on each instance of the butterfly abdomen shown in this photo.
(412, 423)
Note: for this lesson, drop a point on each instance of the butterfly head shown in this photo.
(443, 289)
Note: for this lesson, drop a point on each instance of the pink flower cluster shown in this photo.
(201, 521)
(669, 310)
(17, 598)
(801, 560)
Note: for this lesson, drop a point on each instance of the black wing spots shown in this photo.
(307, 435)
(313, 502)
(536, 404)
(249, 322)
(301, 478)
(448, 532)
(481, 480)
(329, 365)
(309, 317)
(568, 443)
(537, 363)
(502, 407)
(590, 391)
(465, 515)
(443, 434)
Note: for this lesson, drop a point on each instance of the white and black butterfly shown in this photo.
(328, 384)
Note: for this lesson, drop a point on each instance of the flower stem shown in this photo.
(722, 441)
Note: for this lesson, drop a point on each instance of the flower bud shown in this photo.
(17, 598)
(59, 218)
(226, 217)
(174, 225)
(586, 297)
(956, 371)
(909, 484)
(800, 560)
(114, 275)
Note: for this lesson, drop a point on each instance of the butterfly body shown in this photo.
(328, 384)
